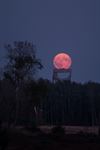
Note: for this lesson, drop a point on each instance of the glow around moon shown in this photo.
(62, 61)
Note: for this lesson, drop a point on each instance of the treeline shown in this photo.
(26, 101)
(47, 103)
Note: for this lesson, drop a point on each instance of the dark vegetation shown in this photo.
(29, 103)
(42, 102)
(20, 139)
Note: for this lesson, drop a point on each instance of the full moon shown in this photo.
(62, 61)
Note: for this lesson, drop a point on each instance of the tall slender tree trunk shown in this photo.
(17, 106)
(36, 115)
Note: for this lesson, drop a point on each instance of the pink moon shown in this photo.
(62, 61)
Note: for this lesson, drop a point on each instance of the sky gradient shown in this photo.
(71, 26)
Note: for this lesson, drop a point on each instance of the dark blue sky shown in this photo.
(54, 26)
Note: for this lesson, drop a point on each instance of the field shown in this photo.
(73, 129)
(27, 139)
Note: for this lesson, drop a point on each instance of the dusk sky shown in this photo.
(71, 26)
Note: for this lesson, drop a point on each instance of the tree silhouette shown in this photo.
(22, 65)
(22, 61)
(36, 92)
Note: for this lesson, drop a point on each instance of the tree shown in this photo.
(22, 62)
(22, 65)
(36, 94)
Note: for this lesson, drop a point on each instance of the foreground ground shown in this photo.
(26, 140)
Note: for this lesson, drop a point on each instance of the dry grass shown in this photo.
(20, 139)
(73, 129)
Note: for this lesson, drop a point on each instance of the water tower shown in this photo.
(62, 65)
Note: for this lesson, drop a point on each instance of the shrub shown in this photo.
(59, 130)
